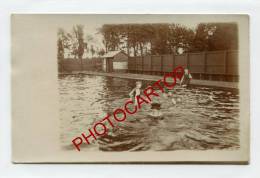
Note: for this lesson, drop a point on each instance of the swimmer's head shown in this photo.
(186, 70)
(138, 84)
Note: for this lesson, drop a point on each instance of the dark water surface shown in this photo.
(204, 118)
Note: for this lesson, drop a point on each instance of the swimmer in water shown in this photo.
(136, 92)
(174, 99)
(186, 78)
(156, 111)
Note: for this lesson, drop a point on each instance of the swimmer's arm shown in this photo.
(181, 80)
(131, 93)
(190, 76)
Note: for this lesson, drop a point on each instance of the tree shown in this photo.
(92, 50)
(143, 39)
(101, 52)
(60, 46)
(180, 37)
(111, 37)
(80, 45)
(216, 36)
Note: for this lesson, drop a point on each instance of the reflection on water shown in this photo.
(204, 118)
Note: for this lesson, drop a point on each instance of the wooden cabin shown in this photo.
(115, 61)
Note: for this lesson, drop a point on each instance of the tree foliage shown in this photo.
(216, 36)
(60, 44)
(143, 39)
(79, 34)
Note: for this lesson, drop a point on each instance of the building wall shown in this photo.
(120, 62)
(120, 65)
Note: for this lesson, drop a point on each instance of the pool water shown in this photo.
(203, 118)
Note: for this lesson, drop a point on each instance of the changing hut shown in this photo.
(115, 61)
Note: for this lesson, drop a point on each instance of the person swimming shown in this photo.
(186, 78)
(156, 111)
(136, 92)
(171, 94)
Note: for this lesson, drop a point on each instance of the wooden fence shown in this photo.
(69, 65)
(213, 65)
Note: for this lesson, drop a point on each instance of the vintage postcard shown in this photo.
(113, 88)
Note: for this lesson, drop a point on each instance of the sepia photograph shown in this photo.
(133, 88)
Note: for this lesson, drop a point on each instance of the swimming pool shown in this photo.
(204, 118)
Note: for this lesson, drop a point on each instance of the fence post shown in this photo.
(225, 65)
(225, 62)
(173, 61)
(205, 63)
(135, 65)
(162, 65)
(188, 61)
(151, 64)
(142, 58)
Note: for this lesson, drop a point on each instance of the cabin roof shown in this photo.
(112, 54)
